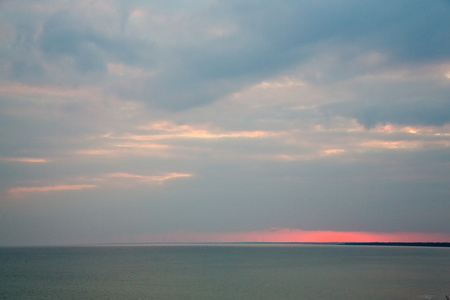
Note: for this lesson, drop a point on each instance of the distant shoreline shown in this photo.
(407, 244)
(393, 244)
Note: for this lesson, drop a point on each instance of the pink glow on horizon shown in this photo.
(286, 235)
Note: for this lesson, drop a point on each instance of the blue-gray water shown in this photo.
(247, 272)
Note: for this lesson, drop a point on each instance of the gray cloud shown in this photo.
(271, 37)
(404, 103)
(259, 40)
(68, 34)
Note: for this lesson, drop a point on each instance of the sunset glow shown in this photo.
(286, 236)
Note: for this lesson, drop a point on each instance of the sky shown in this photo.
(224, 121)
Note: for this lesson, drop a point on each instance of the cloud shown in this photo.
(271, 38)
(171, 131)
(24, 159)
(190, 67)
(403, 103)
(19, 90)
(106, 180)
(20, 190)
(156, 178)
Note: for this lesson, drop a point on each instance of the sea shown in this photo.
(225, 272)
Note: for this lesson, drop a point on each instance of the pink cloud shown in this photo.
(19, 190)
(24, 159)
(157, 178)
(168, 131)
(334, 151)
(16, 89)
(200, 134)
(94, 152)
(125, 148)
(141, 145)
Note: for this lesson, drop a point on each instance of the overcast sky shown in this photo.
(210, 120)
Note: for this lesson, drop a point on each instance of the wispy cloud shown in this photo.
(24, 159)
(125, 149)
(334, 151)
(168, 130)
(103, 181)
(94, 152)
(18, 89)
(154, 178)
(20, 190)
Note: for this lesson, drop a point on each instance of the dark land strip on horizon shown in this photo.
(417, 244)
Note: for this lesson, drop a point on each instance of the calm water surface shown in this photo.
(259, 272)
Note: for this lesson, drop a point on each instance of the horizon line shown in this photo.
(406, 244)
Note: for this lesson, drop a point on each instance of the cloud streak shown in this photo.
(142, 178)
(24, 159)
(20, 190)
